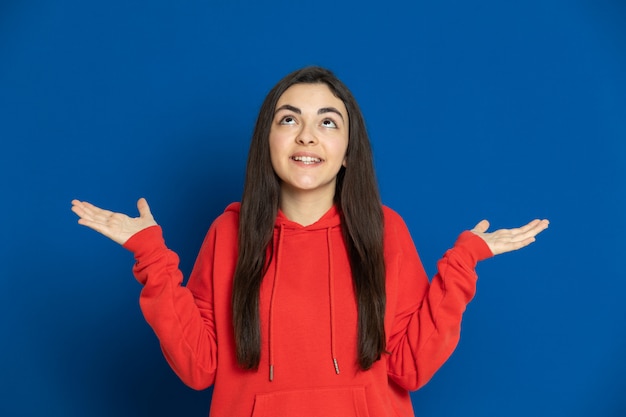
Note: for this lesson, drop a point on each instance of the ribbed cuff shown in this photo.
(472, 244)
(145, 241)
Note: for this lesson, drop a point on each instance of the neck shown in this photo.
(304, 209)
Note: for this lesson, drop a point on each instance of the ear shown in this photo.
(345, 162)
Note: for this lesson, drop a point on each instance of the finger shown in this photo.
(82, 210)
(94, 225)
(528, 226)
(531, 229)
(76, 208)
(91, 224)
(92, 212)
(519, 244)
(481, 227)
(538, 224)
(144, 208)
(518, 230)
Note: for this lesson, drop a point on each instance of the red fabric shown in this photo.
(194, 322)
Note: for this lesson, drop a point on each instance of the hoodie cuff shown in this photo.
(473, 246)
(145, 241)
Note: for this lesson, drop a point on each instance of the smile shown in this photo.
(306, 159)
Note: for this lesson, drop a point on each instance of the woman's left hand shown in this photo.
(507, 240)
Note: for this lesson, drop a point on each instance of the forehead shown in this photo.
(313, 96)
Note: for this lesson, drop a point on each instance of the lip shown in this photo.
(306, 164)
(306, 154)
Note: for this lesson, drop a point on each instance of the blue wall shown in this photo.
(488, 109)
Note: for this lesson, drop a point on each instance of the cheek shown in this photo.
(274, 144)
(277, 150)
(278, 139)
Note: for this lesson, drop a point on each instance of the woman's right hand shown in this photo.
(116, 226)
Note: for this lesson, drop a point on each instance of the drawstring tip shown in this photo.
(271, 373)
(336, 366)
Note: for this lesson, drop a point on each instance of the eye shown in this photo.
(287, 120)
(329, 123)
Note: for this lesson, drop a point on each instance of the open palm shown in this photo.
(506, 240)
(116, 226)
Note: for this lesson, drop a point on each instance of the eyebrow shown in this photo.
(298, 111)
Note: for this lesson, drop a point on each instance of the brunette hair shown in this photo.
(360, 208)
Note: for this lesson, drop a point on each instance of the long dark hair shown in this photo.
(358, 200)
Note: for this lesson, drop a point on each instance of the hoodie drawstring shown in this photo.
(279, 246)
(331, 297)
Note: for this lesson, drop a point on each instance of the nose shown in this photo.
(306, 136)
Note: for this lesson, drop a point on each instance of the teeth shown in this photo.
(307, 159)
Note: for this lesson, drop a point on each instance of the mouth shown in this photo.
(307, 160)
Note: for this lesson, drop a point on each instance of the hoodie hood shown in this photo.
(330, 219)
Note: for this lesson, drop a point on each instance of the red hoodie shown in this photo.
(308, 319)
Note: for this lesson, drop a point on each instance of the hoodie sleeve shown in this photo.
(183, 324)
(427, 316)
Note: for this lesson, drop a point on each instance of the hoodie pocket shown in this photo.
(326, 402)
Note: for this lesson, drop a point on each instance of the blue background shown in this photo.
(488, 109)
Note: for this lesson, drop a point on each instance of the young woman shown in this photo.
(308, 298)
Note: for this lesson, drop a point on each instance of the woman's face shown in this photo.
(308, 140)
